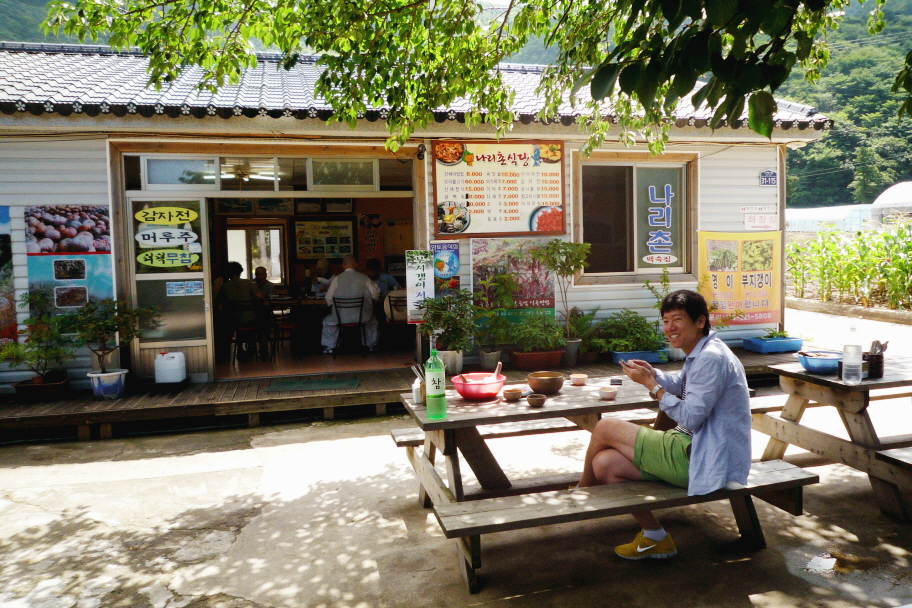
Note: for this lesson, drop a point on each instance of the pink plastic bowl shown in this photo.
(476, 389)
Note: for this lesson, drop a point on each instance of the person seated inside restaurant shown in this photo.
(384, 282)
(709, 401)
(323, 278)
(237, 298)
(351, 284)
(266, 288)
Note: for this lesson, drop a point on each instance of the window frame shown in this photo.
(147, 187)
(248, 224)
(687, 162)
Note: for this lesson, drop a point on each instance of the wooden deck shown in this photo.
(377, 388)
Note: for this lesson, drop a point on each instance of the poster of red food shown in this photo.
(498, 188)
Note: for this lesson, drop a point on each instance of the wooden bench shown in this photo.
(900, 457)
(775, 481)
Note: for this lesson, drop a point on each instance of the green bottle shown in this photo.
(435, 387)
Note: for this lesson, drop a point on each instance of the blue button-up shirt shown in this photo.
(716, 409)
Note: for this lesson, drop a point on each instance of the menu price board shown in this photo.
(499, 188)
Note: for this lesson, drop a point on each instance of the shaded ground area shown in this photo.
(326, 514)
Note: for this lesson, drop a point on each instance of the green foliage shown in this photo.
(638, 57)
(491, 303)
(565, 259)
(627, 331)
(582, 327)
(538, 331)
(863, 267)
(106, 325)
(44, 346)
(868, 148)
(451, 318)
(775, 333)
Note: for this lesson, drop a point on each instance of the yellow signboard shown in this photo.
(166, 215)
(167, 258)
(744, 274)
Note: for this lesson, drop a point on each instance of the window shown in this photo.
(633, 216)
(255, 246)
(248, 174)
(343, 174)
(180, 173)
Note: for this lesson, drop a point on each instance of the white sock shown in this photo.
(656, 535)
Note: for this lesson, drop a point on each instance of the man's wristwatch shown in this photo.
(654, 392)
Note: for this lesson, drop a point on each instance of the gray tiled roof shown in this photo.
(92, 80)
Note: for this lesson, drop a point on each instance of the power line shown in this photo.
(853, 167)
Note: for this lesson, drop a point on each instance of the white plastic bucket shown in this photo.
(170, 367)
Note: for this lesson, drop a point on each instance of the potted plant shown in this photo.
(449, 318)
(583, 328)
(538, 338)
(41, 351)
(104, 326)
(631, 336)
(492, 327)
(565, 259)
(774, 341)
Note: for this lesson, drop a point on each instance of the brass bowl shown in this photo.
(545, 383)
(536, 400)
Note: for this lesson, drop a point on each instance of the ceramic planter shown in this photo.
(489, 360)
(109, 384)
(571, 352)
(773, 345)
(650, 356)
(452, 361)
(536, 360)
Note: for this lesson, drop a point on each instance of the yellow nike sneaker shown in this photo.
(643, 548)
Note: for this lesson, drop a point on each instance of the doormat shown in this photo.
(313, 384)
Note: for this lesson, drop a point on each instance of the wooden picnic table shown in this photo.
(502, 504)
(867, 451)
(459, 431)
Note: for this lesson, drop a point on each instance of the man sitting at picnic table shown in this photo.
(708, 399)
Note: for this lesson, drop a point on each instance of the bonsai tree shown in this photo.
(106, 325)
(451, 318)
(538, 332)
(565, 259)
(626, 331)
(43, 347)
(494, 299)
(582, 327)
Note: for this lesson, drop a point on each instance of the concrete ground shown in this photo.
(326, 514)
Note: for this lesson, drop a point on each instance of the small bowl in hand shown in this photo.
(512, 394)
(608, 392)
(535, 400)
(578, 379)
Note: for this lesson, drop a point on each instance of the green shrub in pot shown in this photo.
(538, 331)
(43, 347)
(628, 331)
(451, 317)
(492, 328)
(106, 325)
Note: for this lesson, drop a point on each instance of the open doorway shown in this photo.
(291, 240)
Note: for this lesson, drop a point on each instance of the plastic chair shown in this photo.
(340, 307)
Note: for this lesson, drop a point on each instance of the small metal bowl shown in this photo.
(536, 400)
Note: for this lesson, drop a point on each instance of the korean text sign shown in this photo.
(660, 202)
(419, 280)
(491, 188)
(744, 271)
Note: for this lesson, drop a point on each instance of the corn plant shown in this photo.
(824, 253)
(798, 266)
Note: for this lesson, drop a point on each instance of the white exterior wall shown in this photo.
(729, 177)
(49, 171)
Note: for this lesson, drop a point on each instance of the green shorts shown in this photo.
(662, 456)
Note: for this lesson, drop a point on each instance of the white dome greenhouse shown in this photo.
(895, 200)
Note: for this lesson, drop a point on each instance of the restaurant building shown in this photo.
(108, 188)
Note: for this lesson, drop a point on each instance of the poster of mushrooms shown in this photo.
(68, 249)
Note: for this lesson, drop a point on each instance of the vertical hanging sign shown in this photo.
(660, 202)
(419, 274)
